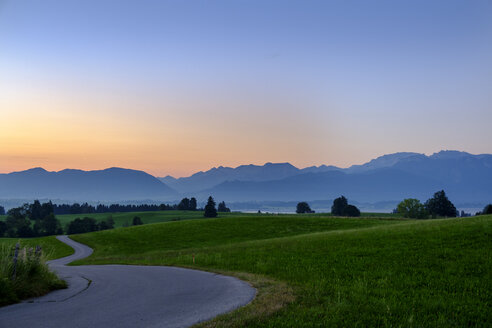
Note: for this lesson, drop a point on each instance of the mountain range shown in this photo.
(466, 178)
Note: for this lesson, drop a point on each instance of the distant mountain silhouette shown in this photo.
(465, 177)
(111, 184)
(205, 180)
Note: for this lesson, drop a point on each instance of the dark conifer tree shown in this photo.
(210, 211)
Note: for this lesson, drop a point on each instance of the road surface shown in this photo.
(128, 296)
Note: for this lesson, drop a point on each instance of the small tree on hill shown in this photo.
(338, 206)
(223, 208)
(210, 211)
(303, 207)
(440, 205)
(2, 210)
(412, 208)
(137, 221)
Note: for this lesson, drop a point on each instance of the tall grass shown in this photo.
(32, 275)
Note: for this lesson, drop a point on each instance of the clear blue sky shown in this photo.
(172, 87)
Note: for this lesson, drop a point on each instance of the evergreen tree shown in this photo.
(193, 204)
(210, 211)
(2, 210)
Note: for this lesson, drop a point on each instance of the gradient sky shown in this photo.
(173, 87)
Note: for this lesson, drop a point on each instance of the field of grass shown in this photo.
(122, 219)
(341, 272)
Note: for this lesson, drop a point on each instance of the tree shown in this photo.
(137, 221)
(35, 210)
(193, 204)
(487, 209)
(412, 208)
(210, 211)
(351, 210)
(81, 226)
(223, 208)
(184, 204)
(440, 205)
(18, 225)
(2, 210)
(338, 206)
(50, 225)
(303, 207)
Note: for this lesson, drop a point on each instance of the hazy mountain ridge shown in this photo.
(466, 178)
(109, 184)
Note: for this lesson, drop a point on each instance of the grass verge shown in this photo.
(32, 276)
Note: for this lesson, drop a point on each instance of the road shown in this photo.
(128, 296)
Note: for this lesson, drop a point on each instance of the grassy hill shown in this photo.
(333, 271)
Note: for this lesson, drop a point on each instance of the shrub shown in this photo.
(33, 277)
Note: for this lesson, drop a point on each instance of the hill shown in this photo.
(334, 272)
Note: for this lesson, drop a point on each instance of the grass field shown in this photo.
(122, 219)
(337, 271)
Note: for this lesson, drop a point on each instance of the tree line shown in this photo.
(36, 219)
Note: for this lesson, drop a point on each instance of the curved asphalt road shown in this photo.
(128, 296)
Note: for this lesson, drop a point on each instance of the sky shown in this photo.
(175, 87)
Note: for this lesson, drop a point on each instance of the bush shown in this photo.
(33, 277)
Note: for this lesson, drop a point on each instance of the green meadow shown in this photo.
(321, 271)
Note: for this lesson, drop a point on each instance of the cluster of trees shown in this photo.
(31, 220)
(88, 225)
(303, 207)
(438, 205)
(211, 212)
(341, 207)
(187, 204)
